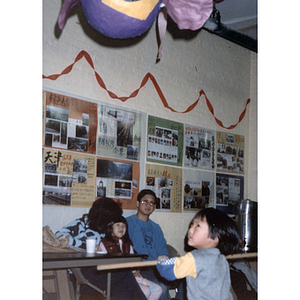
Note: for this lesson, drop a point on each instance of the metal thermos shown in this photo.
(246, 221)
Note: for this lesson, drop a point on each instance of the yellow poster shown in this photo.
(68, 178)
(166, 182)
(230, 152)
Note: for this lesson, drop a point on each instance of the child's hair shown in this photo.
(221, 226)
(109, 229)
(144, 192)
(102, 212)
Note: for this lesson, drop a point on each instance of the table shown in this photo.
(68, 260)
(147, 263)
(75, 260)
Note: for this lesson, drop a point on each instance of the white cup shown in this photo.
(90, 245)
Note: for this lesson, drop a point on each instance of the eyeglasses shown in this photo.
(148, 202)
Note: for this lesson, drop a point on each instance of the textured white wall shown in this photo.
(225, 71)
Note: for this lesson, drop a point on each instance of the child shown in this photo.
(117, 240)
(213, 234)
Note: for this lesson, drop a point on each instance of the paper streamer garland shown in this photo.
(148, 76)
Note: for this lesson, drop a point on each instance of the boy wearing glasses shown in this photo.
(148, 238)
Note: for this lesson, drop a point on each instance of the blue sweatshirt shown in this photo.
(147, 237)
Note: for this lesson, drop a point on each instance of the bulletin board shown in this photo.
(166, 182)
(230, 152)
(165, 141)
(91, 150)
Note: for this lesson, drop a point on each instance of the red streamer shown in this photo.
(148, 76)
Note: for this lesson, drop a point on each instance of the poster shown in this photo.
(230, 152)
(166, 182)
(118, 179)
(199, 148)
(229, 190)
(198, 190)
(68, 178)
(70, 123)
(165, 141)
(119, 133)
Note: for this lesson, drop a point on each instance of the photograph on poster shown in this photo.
(56, 133)
(164, 141)
(80, 171)
(119, 133)
(162, 189)
(229, 190)
(114, 179)
(197, 190)
(164, 192)
(164, 145)
(165, 182)
(57, 189)
(68, 123)
(230, 152)
(199, 147)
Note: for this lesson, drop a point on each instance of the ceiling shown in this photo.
(239, 15)
(235, 20)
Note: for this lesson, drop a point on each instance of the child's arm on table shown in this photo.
(177, 267)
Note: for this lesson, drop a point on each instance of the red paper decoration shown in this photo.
(148, 76)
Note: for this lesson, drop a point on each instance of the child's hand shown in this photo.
(162, 256)
(136, 273)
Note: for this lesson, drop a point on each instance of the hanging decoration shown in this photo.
(115, 18)
(131, 18)
(187, 14)
(148, 76)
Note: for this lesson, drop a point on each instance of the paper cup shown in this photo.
(90, 245)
